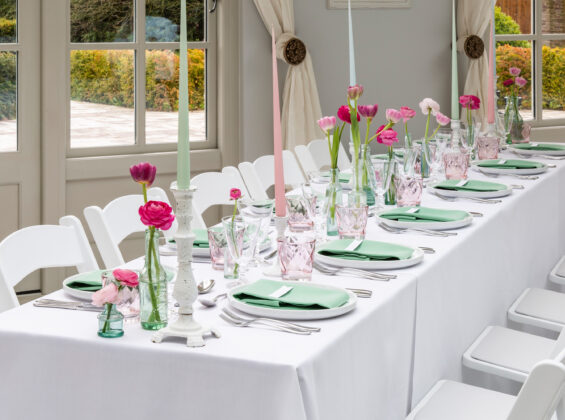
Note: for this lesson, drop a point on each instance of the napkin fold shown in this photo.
(539, 147)
(343, 177)
(509, 164)
(301, 296)
(424, 214)
(87, 282)
(367, 251)
(471, 185)
(200, 239)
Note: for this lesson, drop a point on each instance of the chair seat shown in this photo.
(507, 352)
(557, 275)
(456, 401)
(544, 304)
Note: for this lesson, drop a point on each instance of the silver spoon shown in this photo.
(210, 303)
(205, 287)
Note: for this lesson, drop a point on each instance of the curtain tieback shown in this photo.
(291, 49)
(472, 45)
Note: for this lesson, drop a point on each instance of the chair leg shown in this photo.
(560, 410)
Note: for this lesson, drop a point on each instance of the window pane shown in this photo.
(162, 20)
(161, 101)
(8, 101)
(102, 20)
(102, 98)
(515, 54)
(553, 17)
(513, 17)
(8, 16)
(553, 88)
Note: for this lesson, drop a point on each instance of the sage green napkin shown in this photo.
(539, 147)
(87, 282)
(200, 239)
(471, 185)
(301, 296)
(343, 177)
(509, 164)
(367, 251)
(384, 156)
(424, 214)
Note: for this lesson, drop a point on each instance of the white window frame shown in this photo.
(537, 38)
(139, 47)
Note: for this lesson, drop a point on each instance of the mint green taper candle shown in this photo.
(183, 148)
(454, 75)
(352, 75)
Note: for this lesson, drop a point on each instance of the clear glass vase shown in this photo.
(234, 229)
(333, 197)
(367, 172)
(357, 196)
(110, 322)
(518, 132)
(153, 285)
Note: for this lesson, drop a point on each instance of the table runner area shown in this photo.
(373, 363)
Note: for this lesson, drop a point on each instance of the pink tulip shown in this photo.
(388, 137)
(158, 214)
(521, 82)
(368, 111)
(126, 277)
(235, 194)
(344, 115)
(407, 113)
(327, 123)
(108, 294)
(143, 173)
(508, 82)
(393, 115)
(428, 104)
(354, 92)
(442, 119)
(515, 71)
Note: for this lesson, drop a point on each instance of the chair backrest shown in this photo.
(321, 155)
(252, 181)
(305, 159)
(119, 219)
(44, 246)
(213, 188)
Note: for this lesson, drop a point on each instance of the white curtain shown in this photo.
(473, 18)
(301, 104)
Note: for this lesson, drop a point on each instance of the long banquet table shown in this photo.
(373, 363)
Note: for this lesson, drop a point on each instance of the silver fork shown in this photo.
(396, 230)
(371, 275)
(478, 200)
(287, 324)
(491, 175)
(60, 304)
(361, 293)
(236, 323)
(539, 155)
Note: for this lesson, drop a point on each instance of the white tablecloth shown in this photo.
(369, 364)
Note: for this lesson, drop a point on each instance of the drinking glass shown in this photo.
(299, 213)
(253, 222)
(296, 255)
(352, 221)
(383, 171)
(316, 207)
(235, 231)
(217, 242)
(433, 153)
(408, 189)
(487, 147)
(456, 163)
(261, 210)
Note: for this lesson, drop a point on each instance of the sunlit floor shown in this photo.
(95, 125)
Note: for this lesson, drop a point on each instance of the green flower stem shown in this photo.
(155, 312)
(236, 265)
(334, 194)
(386, 127)
(107, 322)
(144, 186)
(427, 125)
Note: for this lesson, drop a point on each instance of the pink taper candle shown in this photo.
(490, 94)
(280, 200)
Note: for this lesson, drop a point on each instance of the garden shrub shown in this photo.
(7, 30)
(8, 103)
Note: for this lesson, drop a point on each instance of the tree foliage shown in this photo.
(504, 24)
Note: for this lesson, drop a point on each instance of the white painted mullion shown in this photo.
(102, 45)
(9, 47)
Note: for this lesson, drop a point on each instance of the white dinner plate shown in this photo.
(538, 152)
(425, 225)
(500, 171)
(85, 295)
(293, 314)
(472, 194)
(416, 258)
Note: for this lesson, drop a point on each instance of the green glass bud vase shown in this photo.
(367, 172)
(110, 322)
(333, 197)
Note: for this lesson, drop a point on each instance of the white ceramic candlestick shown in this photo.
(280, 225)
(185, 291)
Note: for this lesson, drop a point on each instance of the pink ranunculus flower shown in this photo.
(442, 119)
(393, 115)
(143, 173)
(470, 102)
(428, 104)
(108, 294)
(344, 115)
(389, 137)
(158, 214)
(368, 111)
(327, 123)
(126, 277)
(379, 133)
(235, 194)
(515, 71)
(508, 82)
(407, 113)
(354, 92)
(521, 82)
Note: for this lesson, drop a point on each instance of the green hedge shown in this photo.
(7, 30)
(8, 98)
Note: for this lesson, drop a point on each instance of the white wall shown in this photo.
(402, 56)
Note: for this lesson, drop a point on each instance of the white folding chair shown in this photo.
(213, 188)
(305, 159)
(537, 400)
(262, 176)
(321, 155)
(119, 219)
(557, 275)
(43, 246)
